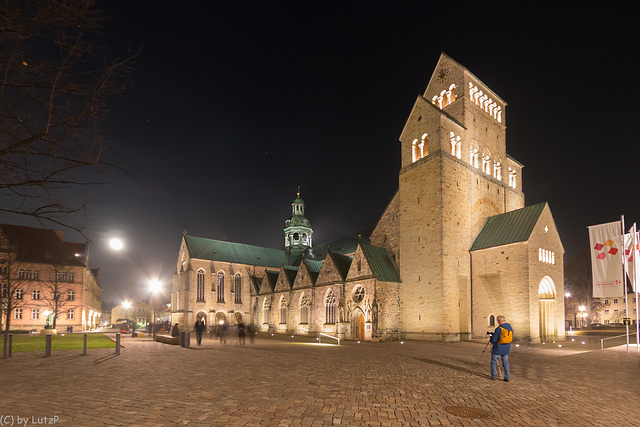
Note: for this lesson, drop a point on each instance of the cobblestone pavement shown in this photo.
(290, 382)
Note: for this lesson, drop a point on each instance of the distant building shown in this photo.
(455, 247)
(41, 275)
(614, 310)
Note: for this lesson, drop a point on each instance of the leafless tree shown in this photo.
(57, 283)
(579, 283)
(16, 285)
(54, 83)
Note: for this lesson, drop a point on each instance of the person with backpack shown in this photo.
(501, 339)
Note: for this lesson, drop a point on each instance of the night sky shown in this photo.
(236, 105)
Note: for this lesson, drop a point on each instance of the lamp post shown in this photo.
(154, 286)
(583, 315)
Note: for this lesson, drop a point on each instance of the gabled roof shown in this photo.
(270, 278)
(382, 265)
(509, 227)
(42, 245)
(314, 268)
(342, 263)
(344, 245)
(291, 273)
(239, 253)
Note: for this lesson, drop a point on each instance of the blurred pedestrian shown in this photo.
(241, 332)
(251, 330)
(199, 327)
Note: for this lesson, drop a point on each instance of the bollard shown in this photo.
(4, 346)
(10, 352)
(183, 338)
(187, 340)
(118, 343)
(47, 346)
(84, 347)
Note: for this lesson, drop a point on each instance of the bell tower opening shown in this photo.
(297, 229)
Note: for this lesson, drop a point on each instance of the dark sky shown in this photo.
(237, 103)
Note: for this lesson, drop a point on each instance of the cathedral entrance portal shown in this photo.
(547, 304)
(357, 325)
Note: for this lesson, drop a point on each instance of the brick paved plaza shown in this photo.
(288, 382)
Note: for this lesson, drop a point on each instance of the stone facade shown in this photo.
(418, 278)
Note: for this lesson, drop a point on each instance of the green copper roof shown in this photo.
(383, 267)
(218, 250)
(509, 227)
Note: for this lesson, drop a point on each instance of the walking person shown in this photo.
(199, 327)
(501, 339)
(241, 331)
(251, 330)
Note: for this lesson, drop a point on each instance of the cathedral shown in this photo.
(455, 247)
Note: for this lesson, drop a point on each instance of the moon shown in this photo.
(116, 244)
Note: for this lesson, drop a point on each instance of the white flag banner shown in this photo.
(606, 259)
(631, 254)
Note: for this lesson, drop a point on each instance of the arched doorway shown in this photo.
(221, 318)
(357, 325)
(547, 308)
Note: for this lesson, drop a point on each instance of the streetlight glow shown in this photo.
(116, 244)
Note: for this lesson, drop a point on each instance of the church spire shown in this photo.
(297, 231)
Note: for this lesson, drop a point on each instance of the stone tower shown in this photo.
(297, 229)
(455, 174)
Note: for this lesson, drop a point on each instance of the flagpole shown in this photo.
(635, 283)
(624, 280)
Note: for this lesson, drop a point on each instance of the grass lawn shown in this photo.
(59, 342)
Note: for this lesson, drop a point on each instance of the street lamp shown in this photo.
(154, 286)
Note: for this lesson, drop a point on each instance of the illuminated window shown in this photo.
(265, 311)
(512, 178)
(455, 145)
(497, 169)
(483, 101)
(283, 310)
(330, 308)
(200, 286)
(473, 154)
(237, 288)
(486, 161)
(17, 314)
(35, 314)
(220, 287)
(304, 309)
(546, 256)
(419, 148)
(446, 97)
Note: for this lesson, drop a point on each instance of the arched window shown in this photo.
(455, 145)
(237, 288)
(200, 286)
(330, 308)
(304, 309)
(497, 168)
(424, 146)
(220, 287)
(492, 320)
(414, 151)
(473, 154)
(512, 178)
(283, 310)
(486, 161)
(265, 311)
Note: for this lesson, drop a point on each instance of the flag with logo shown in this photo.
(631, 253)
(606, 259)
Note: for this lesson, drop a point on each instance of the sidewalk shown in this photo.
(284, 381)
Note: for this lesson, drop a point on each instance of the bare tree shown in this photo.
(579, 283)
(15, 285)
(54, 84)
(58, 287)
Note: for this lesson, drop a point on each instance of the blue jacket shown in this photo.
(501, 349)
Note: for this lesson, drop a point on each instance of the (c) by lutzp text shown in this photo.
(18, 420)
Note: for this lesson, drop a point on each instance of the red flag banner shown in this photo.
(606, 259)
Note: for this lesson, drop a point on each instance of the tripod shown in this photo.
(485, 349)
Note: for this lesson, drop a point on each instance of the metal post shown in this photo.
(10, 352)
(118, 343)
(84, 347)
(47, 346)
